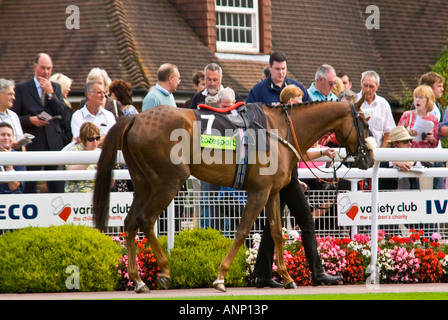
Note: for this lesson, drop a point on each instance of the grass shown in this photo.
(341, 296)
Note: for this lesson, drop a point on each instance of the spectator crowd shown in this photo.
(41, 117)
(36, 115)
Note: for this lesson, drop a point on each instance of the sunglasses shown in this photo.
(91, 139)
(406, 141)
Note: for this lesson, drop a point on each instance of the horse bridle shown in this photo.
(362, 148)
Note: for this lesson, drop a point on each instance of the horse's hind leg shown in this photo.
(155, 204)
(131, 227)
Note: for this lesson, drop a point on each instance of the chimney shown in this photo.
(201, 16)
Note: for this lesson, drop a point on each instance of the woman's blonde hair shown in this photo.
(290, 91)
(426, 91)
(62, 79)
(65, 82)
(88, 129)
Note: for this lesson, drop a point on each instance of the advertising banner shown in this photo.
(53, 209)
(400, 207)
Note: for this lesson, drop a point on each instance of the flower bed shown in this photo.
(410, 259)
(146, 263)
(400, 259)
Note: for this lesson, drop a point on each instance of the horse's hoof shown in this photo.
(164, 282)
(142, 288)
(219, 285)
(290, 285)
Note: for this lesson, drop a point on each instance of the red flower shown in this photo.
(440, 255)
(415, 237)
(430, 268)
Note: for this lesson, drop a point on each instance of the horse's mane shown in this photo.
(301, 104)
(310, 103)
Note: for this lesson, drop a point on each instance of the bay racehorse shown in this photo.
(147, 146)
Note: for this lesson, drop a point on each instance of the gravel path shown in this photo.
(189, 293)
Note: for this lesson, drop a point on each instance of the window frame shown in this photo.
(254, 45)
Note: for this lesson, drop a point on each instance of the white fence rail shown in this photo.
(402, 154)
(354, 175)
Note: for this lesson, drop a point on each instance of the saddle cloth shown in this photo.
(221, 129)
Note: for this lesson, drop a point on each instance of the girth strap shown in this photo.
(242, 157)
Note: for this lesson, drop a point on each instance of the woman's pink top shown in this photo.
(404, 121)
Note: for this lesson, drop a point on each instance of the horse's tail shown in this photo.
(106, 163)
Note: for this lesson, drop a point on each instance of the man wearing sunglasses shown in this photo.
(321, 89)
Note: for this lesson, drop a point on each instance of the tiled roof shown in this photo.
(412, 34)
(312, 33)
(29, 27)
(130, 39)
(162, 35)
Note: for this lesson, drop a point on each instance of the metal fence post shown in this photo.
(171, 226)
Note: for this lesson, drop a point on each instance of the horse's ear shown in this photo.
(360, 102)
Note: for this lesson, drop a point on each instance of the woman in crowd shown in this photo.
(64, 124)
(121, 91)
(89, 135)
(65, 83)
(424, 103)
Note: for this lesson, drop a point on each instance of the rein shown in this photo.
(294, 138)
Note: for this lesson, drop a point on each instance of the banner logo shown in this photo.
(61, 209)
(347, 208)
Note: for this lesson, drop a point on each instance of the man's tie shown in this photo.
(42, 97)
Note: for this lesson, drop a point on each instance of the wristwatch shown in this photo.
(50, 96)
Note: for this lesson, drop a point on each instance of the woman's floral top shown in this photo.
(80, 185)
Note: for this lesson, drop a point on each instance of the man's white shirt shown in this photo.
(103, 119)
(381, 120)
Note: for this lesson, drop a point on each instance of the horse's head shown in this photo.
(357, 138)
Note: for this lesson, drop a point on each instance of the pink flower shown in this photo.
(435, 236)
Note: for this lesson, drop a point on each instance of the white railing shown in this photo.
(354, 175)
(402, 154)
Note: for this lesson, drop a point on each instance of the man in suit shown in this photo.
(33, 97)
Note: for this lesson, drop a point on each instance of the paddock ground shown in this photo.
(249, 291)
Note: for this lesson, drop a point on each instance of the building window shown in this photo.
(237, 26)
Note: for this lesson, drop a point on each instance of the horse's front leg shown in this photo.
(275, 223)
(253, 208)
